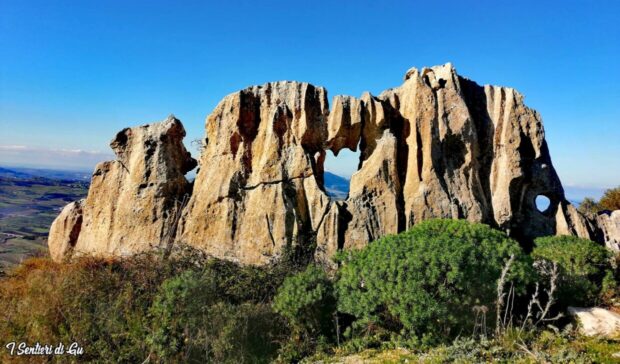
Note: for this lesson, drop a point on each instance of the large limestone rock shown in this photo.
(438, 146)
(132, 201)
(375, 196)
(259, 188)
(462, 151)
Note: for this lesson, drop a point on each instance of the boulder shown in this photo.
(65, 231)
(596, 321)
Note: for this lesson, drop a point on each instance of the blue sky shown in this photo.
(72, 73)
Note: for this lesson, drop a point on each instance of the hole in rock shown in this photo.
(338, 172)
(542, 203)
(197, 146)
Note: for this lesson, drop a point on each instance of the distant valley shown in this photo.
(30, 199)
(336, 187)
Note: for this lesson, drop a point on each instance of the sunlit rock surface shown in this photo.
(438, 146)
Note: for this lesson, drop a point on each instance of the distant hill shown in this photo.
(23, 172)
(11, 173)
(336, 186)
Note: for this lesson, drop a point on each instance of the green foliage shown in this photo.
(588, 206)
(583, 265)
(610, 200)
(308, 303)
(513, 347)
(194, 320)
(426, 281)
(179, 310)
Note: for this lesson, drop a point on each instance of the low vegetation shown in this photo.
(425, 282)
(443, 291)
(609, 202)
(586, 272)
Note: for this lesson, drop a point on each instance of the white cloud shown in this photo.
(22, 155)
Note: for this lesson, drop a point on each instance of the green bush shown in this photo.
(179, 312)
(408, 290)
(308, 303)
(583, 266)
(611, 199)
(193, 320)
(426, 281)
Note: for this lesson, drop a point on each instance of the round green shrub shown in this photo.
(307, 301)
(583, 265)
(426, 281)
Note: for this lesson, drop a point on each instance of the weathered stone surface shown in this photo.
(65, 231)
(345, 123)
(596, 321)
(569, 221)
(259, 188)
(438, 146)
(609, 225)
(443, 176)
(132, 201)
(462, 151)
(375, 196)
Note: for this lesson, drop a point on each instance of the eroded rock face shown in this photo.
(258, 190)
(438, 146)
(461, 151)
(65, 231)
(608, 224)
(132, 200)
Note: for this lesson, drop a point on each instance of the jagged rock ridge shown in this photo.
(437, 146)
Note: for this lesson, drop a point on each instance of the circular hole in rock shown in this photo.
(542, 203)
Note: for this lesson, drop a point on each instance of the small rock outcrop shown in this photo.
(438, 146)
(596, 321)
(609, 225)
(65, 231)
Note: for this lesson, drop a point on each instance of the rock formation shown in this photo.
(259, 189)
(132, 200)
(437, 146)
(608, 223)
(65, 231)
